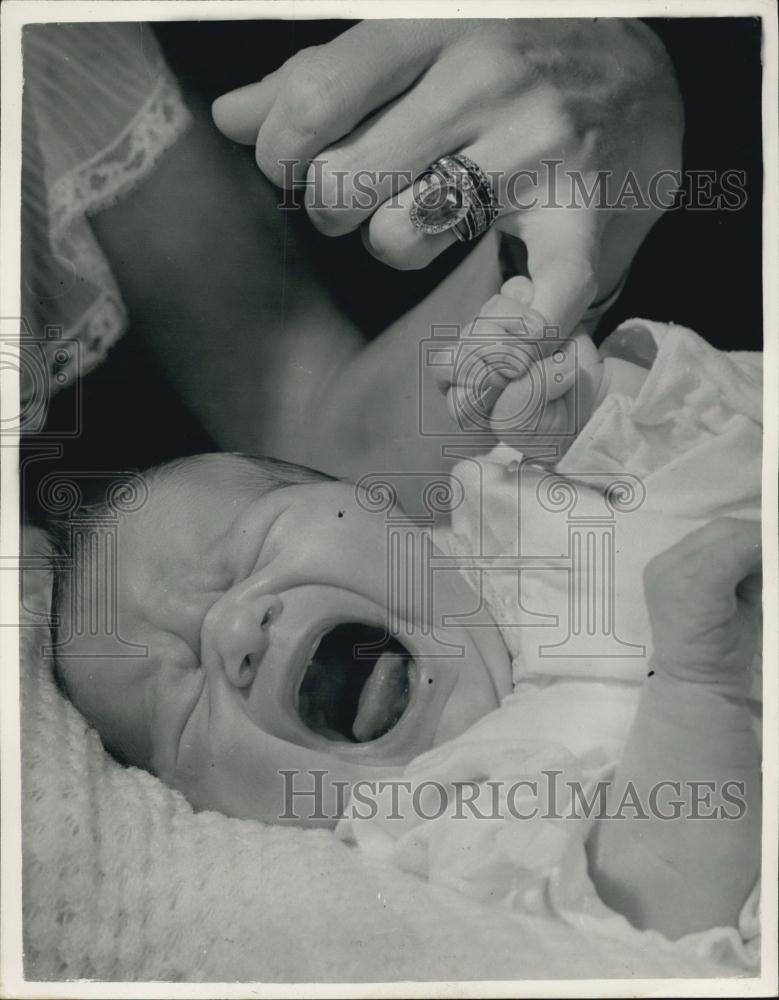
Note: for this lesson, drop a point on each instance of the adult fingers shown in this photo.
(505, 158)
(711, 562)
(734, 546)
(535, 402)
(563, 247)
(349, 181)
(750, 591)
(322, 93)
(239, 114)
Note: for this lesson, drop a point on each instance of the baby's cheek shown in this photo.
(178, 613)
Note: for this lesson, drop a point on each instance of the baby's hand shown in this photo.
(512, 374)
(703, 597)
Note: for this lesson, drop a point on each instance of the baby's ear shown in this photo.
(631, 342)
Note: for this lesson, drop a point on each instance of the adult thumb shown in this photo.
(563, 248)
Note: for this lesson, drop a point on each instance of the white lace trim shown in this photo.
(93, 185)
(101, 180)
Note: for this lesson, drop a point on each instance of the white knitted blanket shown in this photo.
(122, 881)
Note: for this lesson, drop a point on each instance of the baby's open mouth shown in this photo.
(354, 693)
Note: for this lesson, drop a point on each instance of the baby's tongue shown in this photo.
(382, 699)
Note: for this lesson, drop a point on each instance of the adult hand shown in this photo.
(542, 106)
(704, 596)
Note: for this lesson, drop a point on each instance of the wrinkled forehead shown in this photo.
(175, 551)
(188, 513)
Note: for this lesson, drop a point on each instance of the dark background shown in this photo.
(698, 268)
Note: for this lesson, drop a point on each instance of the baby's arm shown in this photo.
(694, 727)
(253, 340)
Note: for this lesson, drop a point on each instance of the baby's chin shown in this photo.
(460, 718)
(474, 697)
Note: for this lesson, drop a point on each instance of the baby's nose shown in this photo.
(244, 639)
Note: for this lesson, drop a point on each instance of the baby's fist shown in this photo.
(510, 374)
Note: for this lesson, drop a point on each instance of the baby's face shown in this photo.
(254, 609)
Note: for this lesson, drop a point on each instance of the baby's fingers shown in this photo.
(483, 371)
(519, 288)
(511, 311)
(536, 403)
(484, 356)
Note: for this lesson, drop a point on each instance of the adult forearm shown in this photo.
(683, 868)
